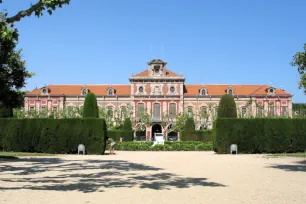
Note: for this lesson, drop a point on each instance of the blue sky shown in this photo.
(210, 42)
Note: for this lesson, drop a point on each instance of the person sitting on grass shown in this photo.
(112, 146)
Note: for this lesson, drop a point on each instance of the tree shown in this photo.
(227, 107)
(13, 72)
(90, 106)
(180, 122)
(299, 60)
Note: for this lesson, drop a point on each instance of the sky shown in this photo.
(209, 42)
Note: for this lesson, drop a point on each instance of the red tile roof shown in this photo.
(192, 90)
(146, 73)
(76, 89)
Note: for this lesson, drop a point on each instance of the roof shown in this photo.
(120, 90)
(169, 73)
(192, 90)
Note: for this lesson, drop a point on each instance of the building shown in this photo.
(161, 92)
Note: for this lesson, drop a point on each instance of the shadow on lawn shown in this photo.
(77, 175)
(297, 166)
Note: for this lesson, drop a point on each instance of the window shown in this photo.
(190, 112)
(32, 109)
(110, 112)
(216, 111)
(123, 112)
(271, 91)
(230, 91)
(203, 92)
(156, 69)
(140, 110)
(260, 111)
(140, 89)
(172, 110)
(43, 111)
(272, 112)
(111, 92)
(84, 92)
(172, 89)
(284, 111)
(203, 111)
(156, 112)
(243, 112)
(54, 109)
(44, 91)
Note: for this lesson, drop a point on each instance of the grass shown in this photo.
(298, 154)
(15, 155)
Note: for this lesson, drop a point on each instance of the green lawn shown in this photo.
(299, 154)
(15, 155)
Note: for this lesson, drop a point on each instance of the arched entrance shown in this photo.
(156, 128)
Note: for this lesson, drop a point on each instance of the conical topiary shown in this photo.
(127, 124)
(227, 107)
(90, 106)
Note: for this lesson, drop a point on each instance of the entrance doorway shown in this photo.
(156, 128)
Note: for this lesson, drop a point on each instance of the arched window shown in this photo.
(230, 91)
(110, 112)
(172, 89)
(110, 92)
(203, 92)
(44, 91)
(84, 92)
(140, 89)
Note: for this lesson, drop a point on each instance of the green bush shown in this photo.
(116, 134)
(169, 146)
(261, 135)
(90, 106)
(52, 135)
(127, 126)
(189, 125)
(227, 107)
(196, 135)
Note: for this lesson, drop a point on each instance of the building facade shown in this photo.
(161, 92)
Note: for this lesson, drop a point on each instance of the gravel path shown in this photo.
(153, 177)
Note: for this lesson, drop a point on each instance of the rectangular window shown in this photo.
(156, 113)
(55, 109)
(203, 110)
(172, 110)
(110, 112)
(140, 110)
(260, 111)
(123, 112)
(284, 111)
(32, 109)
(190, 111)
(272, 108)
(243, 112)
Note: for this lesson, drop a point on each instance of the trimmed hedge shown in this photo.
(197, 135)
(52, 135)
(261, 135)
(169, 146)
(116, 134)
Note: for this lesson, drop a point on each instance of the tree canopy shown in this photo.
(13, 71)
(299, 60)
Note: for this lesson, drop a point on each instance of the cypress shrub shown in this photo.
(189, 125)
(127, 124)
(90, 106)
(227, 107)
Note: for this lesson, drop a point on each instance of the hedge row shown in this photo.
(168, 146)
(261, 135)
(116, 134)
(197, 135)
(52, 135)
